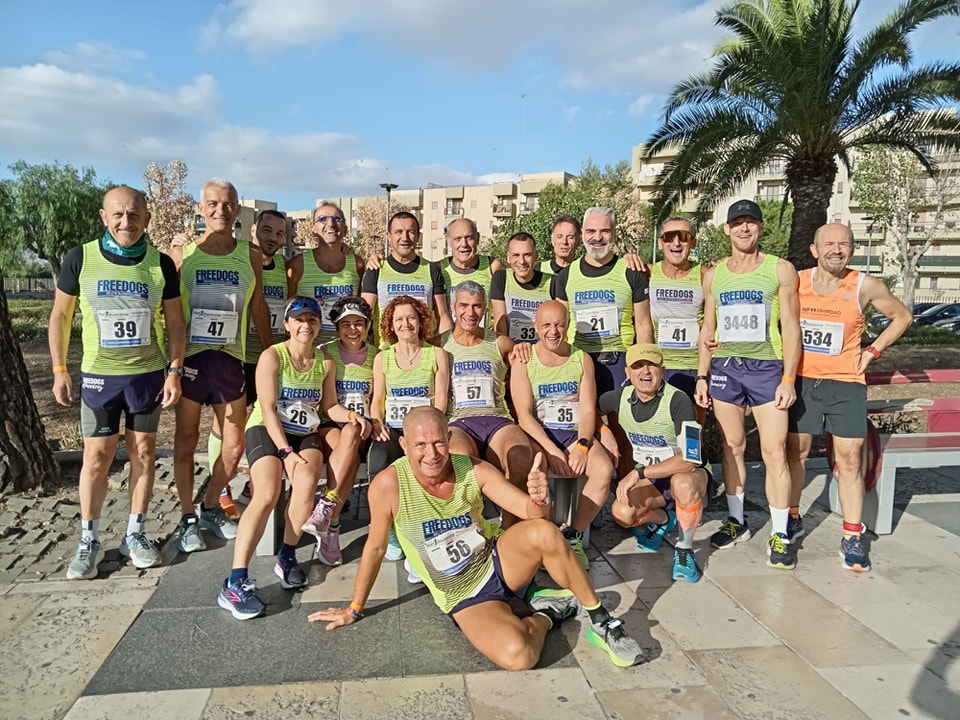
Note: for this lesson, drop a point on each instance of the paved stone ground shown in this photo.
(746, 642)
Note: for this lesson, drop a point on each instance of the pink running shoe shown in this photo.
(246, 495)
(328, 548)
(319, 522)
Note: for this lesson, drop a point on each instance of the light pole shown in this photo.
(386, 240)
(869, 240)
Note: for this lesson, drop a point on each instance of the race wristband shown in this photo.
(357, 609)
(873, 351)
(788, 378)
(578, 446)
(351, 415)
(541, 503)
(59, 368)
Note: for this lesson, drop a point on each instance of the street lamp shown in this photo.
(869, 240)
(386, 240)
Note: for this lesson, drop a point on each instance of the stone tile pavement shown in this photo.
(746, 642)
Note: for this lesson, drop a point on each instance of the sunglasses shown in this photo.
(681, 235)
(335, 219)
(303, 303)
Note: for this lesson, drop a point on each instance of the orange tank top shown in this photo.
(830, 329)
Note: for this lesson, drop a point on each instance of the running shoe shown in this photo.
(558, 605)
(246, 495)
(853, 555)
(328, 547)
(650, 537)
(290, 573)
(778, 552)
(216, 521)
(85, 560)
(319, 522)
(412, 576)
(240, 600)
(685, 565)
(730, 533)
(189, 538)
(795, 528)
(609, 635)
(141, 550)
(576, 544)
(394, 551)
(228, 505)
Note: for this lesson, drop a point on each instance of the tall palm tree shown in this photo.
(793, 84)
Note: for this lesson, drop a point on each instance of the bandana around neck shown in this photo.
(112, 246)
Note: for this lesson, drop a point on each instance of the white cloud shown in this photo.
(638, 108)
(94, 56)
(570, 113)
(49, 113)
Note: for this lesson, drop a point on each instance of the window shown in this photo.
(933, 283)
(433, 224)
(454, 207)
(473, 204)
(840, 188)
(434, 205)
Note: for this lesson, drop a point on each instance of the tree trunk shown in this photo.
(810, 181)
(909, 282)
(26, 461)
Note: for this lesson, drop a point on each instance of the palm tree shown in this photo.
(792, 84)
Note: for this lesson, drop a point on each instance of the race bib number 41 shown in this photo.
(678, 333)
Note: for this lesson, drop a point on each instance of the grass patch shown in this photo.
(31, 318)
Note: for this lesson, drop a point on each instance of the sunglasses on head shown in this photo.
(335, 219)
(681, 235)
(299, 304)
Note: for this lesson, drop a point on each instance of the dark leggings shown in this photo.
(384, 453)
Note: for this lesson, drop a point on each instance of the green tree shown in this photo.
(907, 204)
(11, 250)
(610, 186)
(791, 84)
(55, 208)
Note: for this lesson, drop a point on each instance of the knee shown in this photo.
(517, 655)
(185, 441)
(230, 455)
(544, 534)
(736, 445)
(683, 487)
(518, 461)
(97, 458)
(143, 455)
(623, 514)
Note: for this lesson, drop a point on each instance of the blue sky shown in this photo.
(294, 100)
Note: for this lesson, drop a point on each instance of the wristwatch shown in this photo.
(704, 377)
(641, 471)
(585, 443)
(283, 453)
(171, 370)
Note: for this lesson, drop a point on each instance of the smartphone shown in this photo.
(690, 442)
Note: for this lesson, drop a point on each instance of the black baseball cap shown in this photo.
(744, 207)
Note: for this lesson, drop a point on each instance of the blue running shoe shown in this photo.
(650, 537)
(394, 551)
(685, 565)
(240, 600)
(730, 533)
(794, 528)
(853, 555)
(778, 553)
(290, 573)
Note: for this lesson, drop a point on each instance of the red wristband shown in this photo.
(873, 351)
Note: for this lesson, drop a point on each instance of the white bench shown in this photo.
(920, 450)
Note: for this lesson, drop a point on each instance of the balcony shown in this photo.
(452, 212)
(503, 210)
(530, 205)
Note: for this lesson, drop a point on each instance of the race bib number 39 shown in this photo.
(741, 322)
(124, 328)
(825, 338)
(213, 327)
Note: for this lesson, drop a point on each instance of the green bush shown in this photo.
(917, 335)
(31, 318)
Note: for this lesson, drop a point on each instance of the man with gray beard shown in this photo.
(608, 302)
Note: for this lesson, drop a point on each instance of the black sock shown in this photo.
(570, 533)
(549, 615)
(598, 615)
(204, 508)
(287, 552)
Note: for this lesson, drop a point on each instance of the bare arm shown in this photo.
(441, 381)
(706, 344)
(642, 323)
(259, 310)
(874, 292)
(268, 366)
(786, 393)
(331, 404)
(444, 320)
(58, 338)
(176, 329)
(294, 274)
(500, 317)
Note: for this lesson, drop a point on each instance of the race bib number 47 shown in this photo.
(213, 327)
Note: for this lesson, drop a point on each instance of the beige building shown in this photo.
(939, 271)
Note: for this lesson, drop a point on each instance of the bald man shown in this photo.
(433, 500)
(132, 363)
(831, 389)
(555, 398)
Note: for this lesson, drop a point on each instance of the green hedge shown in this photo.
(31, 318)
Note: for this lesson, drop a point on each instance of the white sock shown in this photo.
(779, 519)
(735, 507)
(135, 523)
(90, 529)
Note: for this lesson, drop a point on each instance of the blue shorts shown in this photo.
(562, 438)
(213, 377)
(685, 380)
(495, 589)
(745, 382)
(609, 370)
(481, 429)
(104, 398)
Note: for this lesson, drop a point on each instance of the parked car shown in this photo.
(944, 311)
(878, 321)
(952, 324)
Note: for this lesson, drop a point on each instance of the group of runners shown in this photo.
(461, 380)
